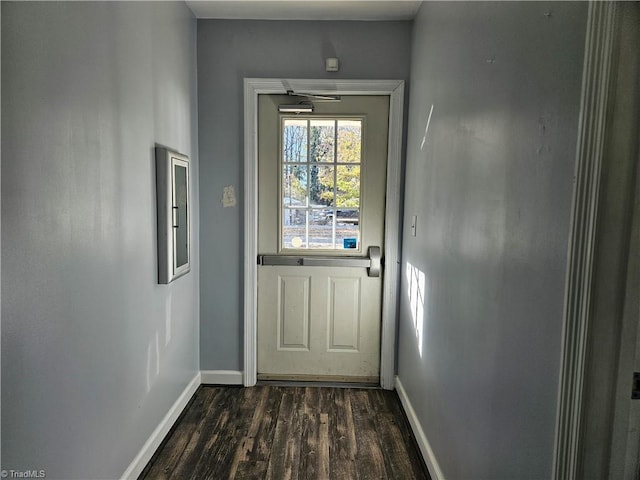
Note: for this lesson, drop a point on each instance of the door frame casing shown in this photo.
(394, 89)
(578, 313)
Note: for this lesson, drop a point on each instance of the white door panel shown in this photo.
(292, 314)
(344, 314)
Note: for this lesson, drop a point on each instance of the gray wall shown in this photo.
(229, 51)
(491, 184)
(94, 351)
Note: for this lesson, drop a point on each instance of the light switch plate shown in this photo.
(414, 222)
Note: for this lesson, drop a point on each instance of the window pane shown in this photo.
(321, 191)
(294, 228)
(321, 140)
(349, 216)
(347, 227)
(294, 141)
(349, 141)
(320, 228)
(348, 186)
(294, 185)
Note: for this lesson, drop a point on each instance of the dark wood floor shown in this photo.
(272, 432)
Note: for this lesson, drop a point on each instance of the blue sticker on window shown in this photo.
(350, 243)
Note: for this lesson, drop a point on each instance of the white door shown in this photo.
(321, 206)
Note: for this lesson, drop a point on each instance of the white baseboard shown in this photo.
(421, 438)
(151, 445)
(221, 377)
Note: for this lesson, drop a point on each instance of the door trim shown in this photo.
(395, 90)
(579, 284)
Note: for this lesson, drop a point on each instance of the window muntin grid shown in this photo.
(320, 183)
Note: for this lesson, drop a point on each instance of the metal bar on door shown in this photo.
(373, 262)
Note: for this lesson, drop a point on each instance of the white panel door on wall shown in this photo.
(321, 201)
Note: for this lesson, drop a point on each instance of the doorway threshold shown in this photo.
(318, 381)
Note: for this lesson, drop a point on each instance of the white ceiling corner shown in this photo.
(368, 10)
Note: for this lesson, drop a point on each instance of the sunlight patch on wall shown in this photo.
(426, 129)
(153, 360)
(416, 291)
(167, 319)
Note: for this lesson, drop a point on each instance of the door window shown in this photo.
(321, 160)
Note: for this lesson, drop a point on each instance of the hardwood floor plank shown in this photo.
(251, 470)
(178, 438)
(266, 429)
(323, 446)
(194, 446)
(282, 433)
(227, 436)
(396, 459)
(394, 406)
(248, 441)
(285, 457)
(294, 439)
(369, 457)
(309, 450)
(312, 400)
(343, 443)
(278, 447)
(350, 430)
(206, 436)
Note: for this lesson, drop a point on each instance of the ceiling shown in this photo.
(305, 9)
